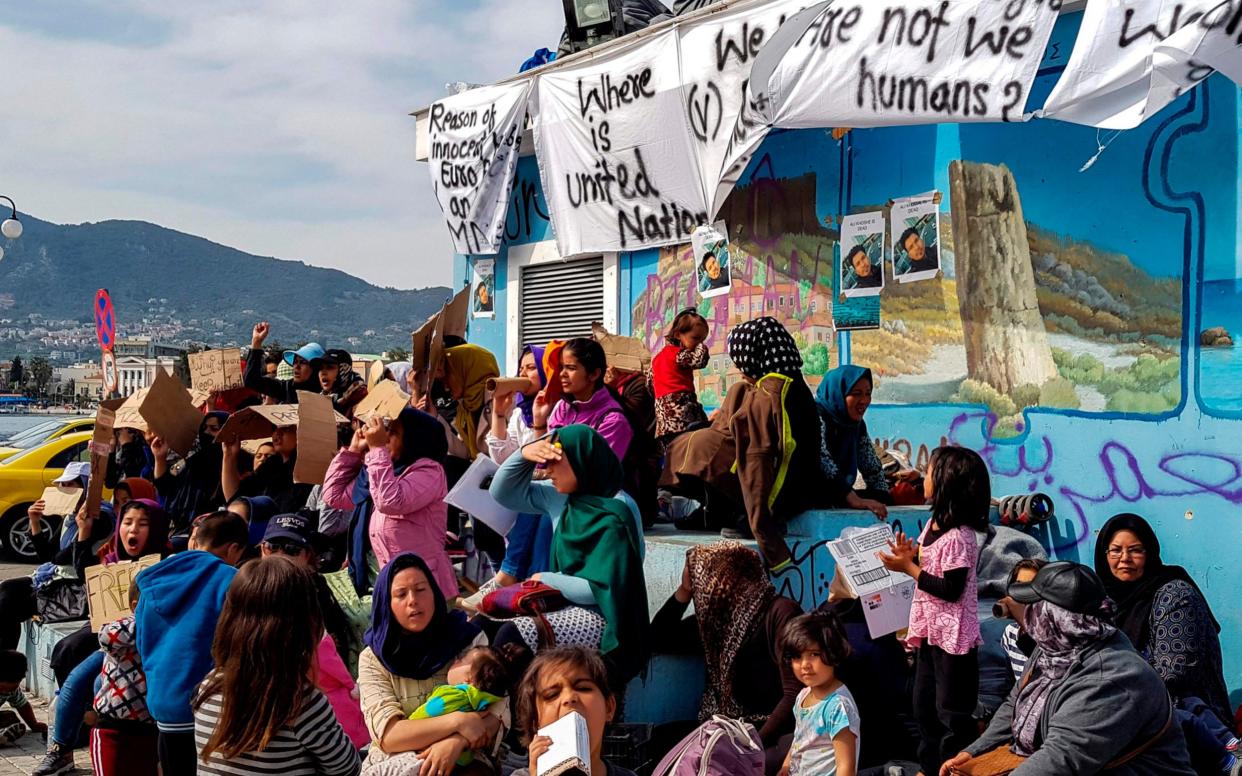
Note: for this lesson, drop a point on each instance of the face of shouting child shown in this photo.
(135, 530)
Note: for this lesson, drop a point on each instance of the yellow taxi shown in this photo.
(52, 428)
(23, 477)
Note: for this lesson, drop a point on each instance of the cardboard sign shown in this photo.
(385, 400)
(316, 437)
(471, 495)
(101, 450)
(375, 373)
(169, 412)
(127, 415)
(59, 500)
(216, 370)
(257, 422)
(626, 353)
(107, 589)
(503, 386)
(420, 354)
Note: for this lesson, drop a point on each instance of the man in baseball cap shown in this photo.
(290, 534)
(1071, 586)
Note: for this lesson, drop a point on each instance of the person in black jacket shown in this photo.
(131, 457)
(273, 479)
(305, 361)
(190, 486)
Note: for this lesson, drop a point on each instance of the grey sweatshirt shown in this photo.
(1109, 702)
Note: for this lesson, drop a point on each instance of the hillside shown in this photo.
(176, 286)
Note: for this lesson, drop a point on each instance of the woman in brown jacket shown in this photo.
(761, 452)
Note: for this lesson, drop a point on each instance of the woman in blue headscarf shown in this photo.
(842, 399)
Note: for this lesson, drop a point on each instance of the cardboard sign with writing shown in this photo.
(60, 501)
(169, 412)
(107, 589)
(625, 353)
(385, 400)
(128, 416)
(257, 422)
(316, 437)
(216, 370)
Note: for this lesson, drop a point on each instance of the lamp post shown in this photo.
(11, 228)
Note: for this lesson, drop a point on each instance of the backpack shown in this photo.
(719, 747)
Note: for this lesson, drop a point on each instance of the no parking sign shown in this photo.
(105, 320)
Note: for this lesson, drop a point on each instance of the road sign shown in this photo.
(105, 320)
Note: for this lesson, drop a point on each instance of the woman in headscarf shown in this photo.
(467, 368)
(1163, 613)
(597, 546)
(257, 511)
(413, 639)
(1088, 703)
(131, 457)
(736, 627)
(340, 382)
(191, 486)
(404, 465)
(132, 488)
(398, 372)
(762, 450)
(273, 479)
(843, 398)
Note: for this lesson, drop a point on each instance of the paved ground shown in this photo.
(22, 757)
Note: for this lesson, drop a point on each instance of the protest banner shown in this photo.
(613, 140)
(886, 595)
(107, 589)
(168, 411)
(102, 442)
(915, 226)
(59, 500)
(626, 353)
(216, 370)
(863, 238)
(385, 400)
(483, 295)
(1134, 57)
(316, 437)
(475, 138)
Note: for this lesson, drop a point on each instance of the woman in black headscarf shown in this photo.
(1163, 612)
(191, 486)
(762, 450)
(340, 382)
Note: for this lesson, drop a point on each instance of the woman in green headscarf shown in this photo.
(597, 545)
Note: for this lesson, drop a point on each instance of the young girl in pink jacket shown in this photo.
(405, 474)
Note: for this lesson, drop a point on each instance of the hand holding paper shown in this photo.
(570, 747)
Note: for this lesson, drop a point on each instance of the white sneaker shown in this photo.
(471, 603)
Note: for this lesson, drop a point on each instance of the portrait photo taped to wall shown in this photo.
(483, 295)
(711, 259)
(916, 237)
(862, 254)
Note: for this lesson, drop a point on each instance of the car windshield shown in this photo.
(45, 427)
(34, 440)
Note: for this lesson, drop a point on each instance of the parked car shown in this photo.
(23, 477)
(44, 432)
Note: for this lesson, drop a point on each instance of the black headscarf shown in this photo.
(422, 437)
(415, 655)
(1134, 599)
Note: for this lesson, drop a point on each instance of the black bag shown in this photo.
(61, 600)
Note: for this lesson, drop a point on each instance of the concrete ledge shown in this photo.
(37, 642)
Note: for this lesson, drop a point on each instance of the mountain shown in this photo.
(176, 286)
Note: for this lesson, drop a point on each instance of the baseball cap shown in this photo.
(1071, 586)
(291, 527)
(74, 471)
(311, 351)
(337, 356)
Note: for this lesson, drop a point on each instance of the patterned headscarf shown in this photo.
(731, 591)
(1061, 636)
(764, 346)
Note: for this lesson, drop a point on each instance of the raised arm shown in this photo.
(513, 488)
(338, 482)
(695, 358)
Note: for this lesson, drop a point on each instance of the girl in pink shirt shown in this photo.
(944, 615)
(404, 463)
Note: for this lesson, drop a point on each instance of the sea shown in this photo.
(1219, 368)
(11, 424)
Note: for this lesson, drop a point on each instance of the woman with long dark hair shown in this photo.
(257, 711)
(584, 398)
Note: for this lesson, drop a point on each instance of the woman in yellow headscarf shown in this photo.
(467, 368)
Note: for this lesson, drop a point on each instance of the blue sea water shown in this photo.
(1220, 368)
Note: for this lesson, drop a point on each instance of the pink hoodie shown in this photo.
(410, 514)
(333, 680)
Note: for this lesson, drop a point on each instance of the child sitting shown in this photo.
(479, 679)
(826, 722)
(12, 672)
(124, 740)
(672, 376)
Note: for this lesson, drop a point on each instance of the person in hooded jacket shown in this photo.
(257, 510)
(273, 479)
(340, 382)
(131, 457)
(305, 362)
(190, 486)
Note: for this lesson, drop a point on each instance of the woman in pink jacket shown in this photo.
(405, 472)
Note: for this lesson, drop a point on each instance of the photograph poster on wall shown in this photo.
(713, 275)
(483, 295)
(916, 237)
(862, 254)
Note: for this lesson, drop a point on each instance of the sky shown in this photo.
(278, 127)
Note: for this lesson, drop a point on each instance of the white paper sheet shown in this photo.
(471, 496)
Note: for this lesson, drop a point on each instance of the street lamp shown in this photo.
(591, 22)
(11, 228)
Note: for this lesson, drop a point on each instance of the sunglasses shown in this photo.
(285, 547)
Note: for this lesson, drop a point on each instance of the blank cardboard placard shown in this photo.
(60, 501)
(107, 589)
(420, 343)
(101, 450)
(252, 445)
(385, 400)
(169, 412)
(316, 437)
(625, 353)
(216, 370)
(456, 314)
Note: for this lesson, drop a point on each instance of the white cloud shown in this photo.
(279, 127)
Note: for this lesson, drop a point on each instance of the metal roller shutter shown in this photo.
(560, 300)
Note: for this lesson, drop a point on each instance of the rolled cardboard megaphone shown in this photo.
(503, 386)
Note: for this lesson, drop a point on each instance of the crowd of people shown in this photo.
(249, 649)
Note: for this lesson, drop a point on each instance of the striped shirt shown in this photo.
(311, 745)
(1017, 658)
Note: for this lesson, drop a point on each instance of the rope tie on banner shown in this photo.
(1100, 148)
